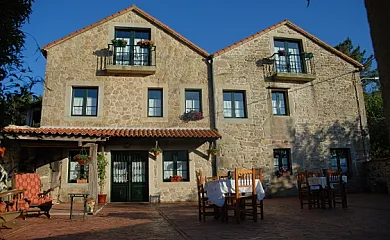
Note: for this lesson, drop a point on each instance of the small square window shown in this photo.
(234, 104)
(340, 159)
(76, 172)
(193, 100)
(84, 101)
(155, 107)
(282, 160)
(175, 163)
(279, 103)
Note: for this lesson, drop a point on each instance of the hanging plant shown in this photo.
(83, 157)
(156, 151)
(212, 151)
(119, 42)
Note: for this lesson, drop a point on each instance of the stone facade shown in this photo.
(323, 112)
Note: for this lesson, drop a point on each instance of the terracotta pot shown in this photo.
(81, 180)
(102, 198)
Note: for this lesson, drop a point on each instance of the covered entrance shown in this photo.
(129, 176)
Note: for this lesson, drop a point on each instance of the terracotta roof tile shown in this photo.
(298, 29)
(143, 14)
(112, 132)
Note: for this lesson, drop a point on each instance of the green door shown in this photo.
(129, 176)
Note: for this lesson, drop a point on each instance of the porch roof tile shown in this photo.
(115, 132)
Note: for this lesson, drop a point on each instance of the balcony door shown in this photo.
(292, 62)
(132, 54)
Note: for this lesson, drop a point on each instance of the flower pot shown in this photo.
(156, 153)
(102, 198)
(81, 180)
(90, 206)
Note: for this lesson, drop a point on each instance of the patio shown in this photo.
(367, 217)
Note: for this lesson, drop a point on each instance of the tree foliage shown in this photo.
(16, 80)
(13, 14)
(359, 55)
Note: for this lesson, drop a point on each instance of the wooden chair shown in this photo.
(236, 202)
(304, 190)
(222, 176)
(316, 190)
(335, 189)
(203, 204)
(11, 203)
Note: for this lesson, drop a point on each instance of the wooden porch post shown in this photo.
(92, 173)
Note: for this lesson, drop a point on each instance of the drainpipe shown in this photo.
(213, 115)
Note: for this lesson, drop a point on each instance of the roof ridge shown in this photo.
(296, 28)
(144, 14)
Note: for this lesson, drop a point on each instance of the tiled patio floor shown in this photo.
(367, 217)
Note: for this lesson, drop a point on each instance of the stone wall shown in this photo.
(124, 98)
(378, 175)
(323, 112)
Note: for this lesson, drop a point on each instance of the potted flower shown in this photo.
(83, 178)
(176, 178)
(156, 151)
(146, 43)
(212, 151)
(119, 42)
(82, 158)
(282, 172)
(90, 205)
(101, 167)
(282, 53)
(192, 116)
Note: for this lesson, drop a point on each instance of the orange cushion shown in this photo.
(3, 207)
(38, 201)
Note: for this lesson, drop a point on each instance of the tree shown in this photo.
(13, 14)
(358, 54)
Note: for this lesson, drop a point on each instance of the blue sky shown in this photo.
(211, 24)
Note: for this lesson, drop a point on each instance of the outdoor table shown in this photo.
(322, 181)
(217, 189)
(74, 195)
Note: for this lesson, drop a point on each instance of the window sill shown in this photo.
(238, 120)
(175, 184)
(84, 118)
(155, 119)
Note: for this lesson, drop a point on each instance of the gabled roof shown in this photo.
(115, 132)
(143, 14)
(298, 29)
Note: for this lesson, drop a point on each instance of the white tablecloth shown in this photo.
(322, 181)
(216, 190)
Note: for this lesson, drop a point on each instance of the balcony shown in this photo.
(284, 66)
(131, 59)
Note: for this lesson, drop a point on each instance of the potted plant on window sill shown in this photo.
(101, 167)
(192, 116)
(176, 178)
(82, 179)
(156, 151)
(119, 42)
(282, 173)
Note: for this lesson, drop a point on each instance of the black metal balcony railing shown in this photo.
(132, 55)
(302, 63)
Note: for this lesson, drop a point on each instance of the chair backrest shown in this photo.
(222, 176)
(259, 174)
(31, 182)
(302, 180)
(334, 177)
(207, 179)
(244, 178)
